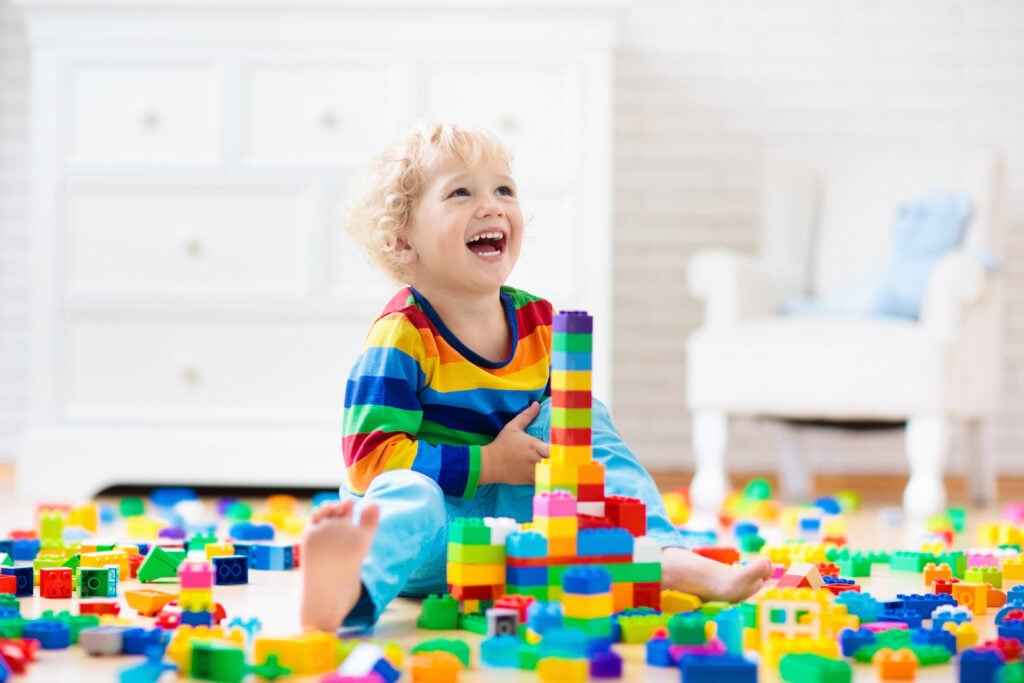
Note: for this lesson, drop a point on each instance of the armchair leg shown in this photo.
(709, 485)
(927, 442)
(981, 471)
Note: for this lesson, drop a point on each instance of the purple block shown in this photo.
(606, 665)
(573, 322)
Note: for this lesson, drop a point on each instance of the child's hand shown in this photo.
(513, 455)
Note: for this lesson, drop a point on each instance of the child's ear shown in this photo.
(403, 251)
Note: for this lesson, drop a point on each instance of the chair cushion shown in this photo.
(832, 368)
(923, 230)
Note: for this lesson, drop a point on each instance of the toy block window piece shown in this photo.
(55, 582)
(502, 621)
(24, 580)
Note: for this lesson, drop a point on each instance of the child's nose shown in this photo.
(490, 207)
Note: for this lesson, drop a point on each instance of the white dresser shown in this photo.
(197, 304)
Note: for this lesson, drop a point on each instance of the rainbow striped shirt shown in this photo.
(418, 399)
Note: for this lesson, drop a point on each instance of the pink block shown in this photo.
(1014, 512)
(982, 560)
(778, 571)
(195, 574)
(554, 504)
(712, 647)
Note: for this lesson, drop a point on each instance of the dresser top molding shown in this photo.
(587, 24)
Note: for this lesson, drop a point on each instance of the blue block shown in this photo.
(565, 642)
(542, 617)
(500, 651)
(656, 652)
(25, 582)
(717, 669)
(863, 605)
(946, 617)
(386, 671)
(26, 549)
(584, 580)
(272, 557)
(201, 618)
(729, 629)
(604, 542)
(837, 581)
(526, 576)
(526, 544)
(7, 547)
(137, 640)
(979, 666)
(571, 360)
(248, 531)
(926, 603)
(51, 633)
(1011, 629)
(850, 641)
(230, 570)
(934, 636)
(906, 616)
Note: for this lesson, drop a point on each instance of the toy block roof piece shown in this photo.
(801, 575)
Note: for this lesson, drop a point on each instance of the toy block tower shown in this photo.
(476, 566)
(554, 516)
(571, 466)
(196, 598)
(587, 601)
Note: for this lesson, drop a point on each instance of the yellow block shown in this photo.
(196, 599)
(85, 517)
(118, 558)
(571, 455)
(587, 606)
(775, 648)
(571, 380)
(563, 670)
(556, 527)
(461, 574)
(674, 602)
(308, 654)
(551, 474)
(1013, 569)
(219, 550)
(142, 527)
(966, 634)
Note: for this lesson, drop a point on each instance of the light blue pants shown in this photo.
(409, 550)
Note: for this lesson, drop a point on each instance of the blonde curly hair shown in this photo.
(383, 196)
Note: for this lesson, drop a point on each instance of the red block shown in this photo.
(628, 513)
(8, 584)
(945, 585)
(647, 595)
(135, 561)
(571, 399)
(593, 522)
(720, 554)
(99, 607)
(828, 569)
(589, 493)
(520, 603)
(838, 588)
(476, 592)
(55, 582)
(570, 436)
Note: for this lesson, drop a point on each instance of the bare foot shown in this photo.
(333, 549)
(708, 579)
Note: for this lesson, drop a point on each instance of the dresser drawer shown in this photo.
(151, 114)
(532, 108)
(336, 115)
(228, 369)
(182, 239)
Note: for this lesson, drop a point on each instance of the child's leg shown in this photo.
(624, 476)
(409, 542)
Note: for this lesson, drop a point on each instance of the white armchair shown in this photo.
(825, 222)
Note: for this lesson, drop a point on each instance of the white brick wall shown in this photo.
(703, 87)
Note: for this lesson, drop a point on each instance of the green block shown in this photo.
(131, 506)
(72, 562)
(440, 612)
(895, 638)
(474, 623)
(909, 561)
(160, 564)
(989, 575)
(571, 487)
(853, 567)
(712, 608)
(220, 662)
(572, 341)
(458, 648)
(97, 582)
(1011, 673)
(687, 628)
(239, 512)
(751, 543)
(749, 611)
(476, 554)
(539, 592)
(469, 531)
(598, 627)
(635, 572)
(10, 602)
(580, 418)
(6, 560)
(757, 489)
(814, 668)
(928, 655)
(10, 627)
(958, 518)
(956, 560)
(529, 655)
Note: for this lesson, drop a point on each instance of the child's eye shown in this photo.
(506, 190)
(459, 192)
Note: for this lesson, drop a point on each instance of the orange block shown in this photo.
(895, 665)
(148, 602)
(622, 596)
(972, 595)
(435, 667)
(933, 571)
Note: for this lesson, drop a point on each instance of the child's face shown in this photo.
(466, 230)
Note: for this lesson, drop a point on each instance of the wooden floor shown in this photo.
(272, 597)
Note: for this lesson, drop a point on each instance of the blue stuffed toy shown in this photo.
(924, 229)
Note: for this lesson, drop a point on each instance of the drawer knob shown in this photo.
(190, 374)
(329, 119)
(150, 118)
(193, 246)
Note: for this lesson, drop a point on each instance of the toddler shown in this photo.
(445, 410)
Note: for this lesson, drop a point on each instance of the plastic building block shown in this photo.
(627, 513)
(159, 564)
(457, 648)
(135, 641)
(808, 667)
(102, 640)
(895, 665)
(97, 582)
(195, 574)
(801, 575)
(24, 580)
(435, 667)
(584, 580)
(699, 668)
(851, 641)
(368, 658)
(148, 602)
(500, 651)
(980, 666)
(55, 582)
(216, 661)
(604, 542)
(230, 570)
(524, 544)
(502, 621)
(51, 633)
(274, 557)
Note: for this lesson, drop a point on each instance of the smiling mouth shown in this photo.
(487, 244)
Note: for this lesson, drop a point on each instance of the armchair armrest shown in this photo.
(957, 280)
(733, 286)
